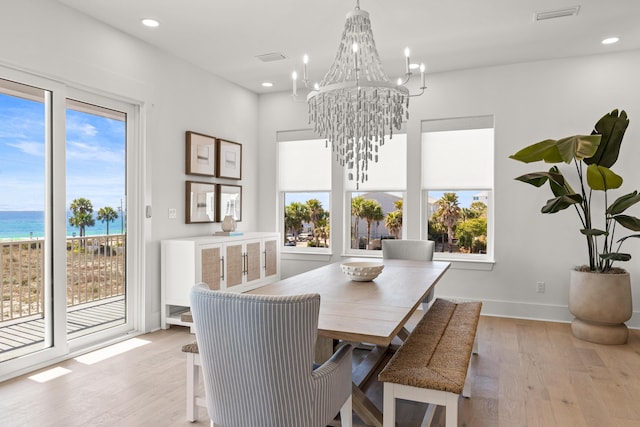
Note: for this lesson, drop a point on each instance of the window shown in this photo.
(374, 207)
(304, 169)
(457, 184)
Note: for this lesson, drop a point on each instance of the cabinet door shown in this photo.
(235, 264)
(270, 257)
(212, 266)
(252, 261)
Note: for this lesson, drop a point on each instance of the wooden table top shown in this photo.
(370, 312)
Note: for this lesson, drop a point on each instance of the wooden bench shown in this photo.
(432, 365)
(193, 380)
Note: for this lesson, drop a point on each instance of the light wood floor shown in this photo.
(528, 373)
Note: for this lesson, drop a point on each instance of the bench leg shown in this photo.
(466, 391)
(389, 406)
(192, 386)
(451, 410)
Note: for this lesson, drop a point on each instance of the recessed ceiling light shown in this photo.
(611, 40)
(148, 22)
(414, 66)
(267, 84)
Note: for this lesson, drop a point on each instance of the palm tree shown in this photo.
(82, 211)
(321, 229)
(356, 213)
(448, 214)
(295, 215)
(107, 214)
(371, 211)
(316, 213)
(393, 222)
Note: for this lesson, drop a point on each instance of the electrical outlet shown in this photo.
(173, 213)
(540, 287)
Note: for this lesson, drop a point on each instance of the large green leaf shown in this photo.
(560, 203)
(559, 186)
(602, 178)
(593, 232)
(612, 128)
(623, 203)
(615, 256)
(578, 147)
(539, 178)
(630, 222)
(546, 150)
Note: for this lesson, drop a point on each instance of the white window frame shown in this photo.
(301, 136)
(452, 124)
(349, 189)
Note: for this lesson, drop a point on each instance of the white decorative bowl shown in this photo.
(362, 271)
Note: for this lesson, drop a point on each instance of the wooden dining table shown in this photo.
(373, 313)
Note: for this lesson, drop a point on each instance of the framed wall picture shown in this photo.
(200, 202)
(201, 154)
(229, 159)
(229, 201)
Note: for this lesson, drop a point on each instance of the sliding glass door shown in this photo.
(64, 235)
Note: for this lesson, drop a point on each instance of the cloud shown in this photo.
(83, 129)
(77, 150)
(31, 148)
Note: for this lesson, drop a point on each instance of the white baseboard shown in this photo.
(532, 311)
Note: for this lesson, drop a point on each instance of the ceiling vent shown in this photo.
(270, 57)
(559, 13)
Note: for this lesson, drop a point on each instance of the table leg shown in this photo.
(365, 409)
(324, 349)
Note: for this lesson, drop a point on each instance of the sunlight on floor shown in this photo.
(49, 374)
(113, 350)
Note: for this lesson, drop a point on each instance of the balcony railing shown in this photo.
(95, 271)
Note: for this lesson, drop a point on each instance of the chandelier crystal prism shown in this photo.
(355, 106)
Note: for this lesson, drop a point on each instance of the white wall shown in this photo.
(530, 102)
(53, 41)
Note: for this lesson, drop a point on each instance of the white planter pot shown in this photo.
(601, 303)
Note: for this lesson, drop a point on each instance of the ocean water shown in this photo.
(30, 224)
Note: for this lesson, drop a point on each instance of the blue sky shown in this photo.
(95, 156)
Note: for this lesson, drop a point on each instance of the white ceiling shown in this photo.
(224, 37)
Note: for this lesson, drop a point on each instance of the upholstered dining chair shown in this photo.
(416, 250)
(257, 361)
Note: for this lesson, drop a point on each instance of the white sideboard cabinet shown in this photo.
(232, 263)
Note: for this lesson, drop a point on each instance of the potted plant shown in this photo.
(599, 292)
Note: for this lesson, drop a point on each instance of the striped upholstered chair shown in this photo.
(416, 250)
(257, 355)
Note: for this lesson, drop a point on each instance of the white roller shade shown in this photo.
(390, 172)
(457, 159)
(304, 165)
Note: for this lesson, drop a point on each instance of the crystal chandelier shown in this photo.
(356, 105)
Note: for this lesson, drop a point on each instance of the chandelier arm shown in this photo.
(419, 93)
(407, 78)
